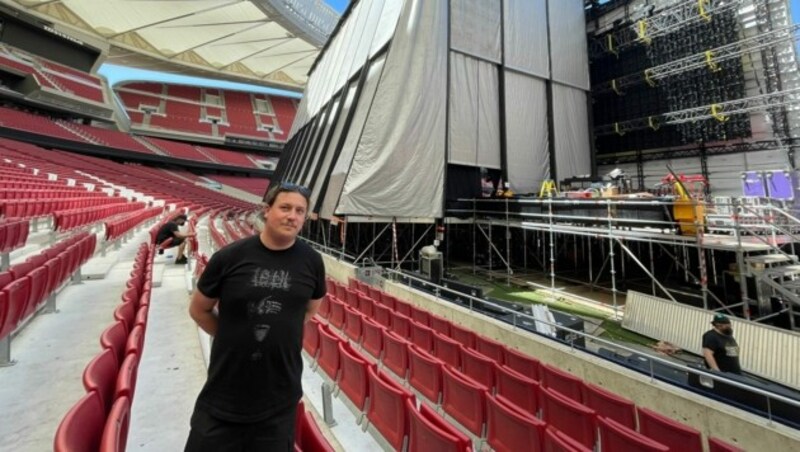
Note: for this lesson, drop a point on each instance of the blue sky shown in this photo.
(119, 73)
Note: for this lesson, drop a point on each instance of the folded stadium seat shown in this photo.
(557, 441)
(126, 378)
(115, 431)
(421, 336)
(53, 273)
(5, 279)
(328, 359)
(463, 336)
(570, 417)
(401, 325)
(17, 293)
(351, 298)
(353, 379)
(425, 374)
(717, 445)
(615, 436)
(329, 285)
(464, 399)
(565, 383)
(395, 354)
(430, 432)
(131, 294)
(509, 429)
(382, 315)
(374, 292)
(308, 437)
(311, 338)
(672, 434)
(352, 324)
(372, 342)
(401, 307)
(365, 304)
(352, 283)
(3, 313)
(126, 312)
(325, 306)
(337, 313)
(440, 325)
(522, 391)
(339, 291)
(101, 375)
(21, 269)
(114, 338)
(447, 350)
(490, 348)
(610, 405)
(135, 341)
(81, 429)
(478, 367)
(389, 301)
(522, 363)
(387, 408)
(420, 316)
(38, 277)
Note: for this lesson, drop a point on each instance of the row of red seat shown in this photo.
(20, 185)
(32, 208)
(18, 193)
(120, 226)
(441, 355)
(27, 285)
(99, 421)
(70, 219)
(13, 234)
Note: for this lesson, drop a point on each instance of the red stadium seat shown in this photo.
(135, 341)
(338, 290)
(374, 292)
(670, 433)
(373, 338)
(114, 338)
(440, 325)
(308, 437)
(522, 363)
(366, 305)
(325, 306)
(81, 429)
(387, 408)
(524, 392)
(564, 382)
(464, 400)
(429, 432)
(311, 338)
(490, 348)
(382, 315)
(425, 373)
(717, 445)
(329, 359)
(556, 441)
(17, 294)
(509, 429)
(352, 324)
(615, 436)
(478, 367)
(388, 300)
(3, 313)
(401, 307)
(126, 379)
(420, 316)
(115, 432)
(570, 417)
(421, 336)
(463, 336)
(609, 405)
(447, 350)
(350, 298)
(353, 380)
(101, 375)
(401, 325)
(337, 314)
(395, 354)
(126, 312)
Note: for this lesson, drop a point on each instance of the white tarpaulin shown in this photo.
(568, 43)
(571, 129)
(399, 164)
(526, 36)
(526, 132)
(390, 14)
(474, 112)
(475, 27)
(342, 165)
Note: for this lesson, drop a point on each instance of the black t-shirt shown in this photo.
(256, 366)
(726, 351)
(166, 231)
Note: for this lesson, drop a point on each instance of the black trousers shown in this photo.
(210, 434)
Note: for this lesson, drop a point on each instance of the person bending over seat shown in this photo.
(171, 230)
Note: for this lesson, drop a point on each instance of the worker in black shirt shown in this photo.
(720, 349)
(171, 230)
(265, 287)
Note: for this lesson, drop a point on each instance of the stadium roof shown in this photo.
(273, 42)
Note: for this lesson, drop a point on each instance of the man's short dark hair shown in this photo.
(286, 187)
(180, 217)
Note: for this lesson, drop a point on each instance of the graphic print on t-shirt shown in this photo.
(257, 310)
(272, 279)
(732, 350)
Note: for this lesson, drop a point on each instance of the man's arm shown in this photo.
(709, 356)
(183, 235)
(313, 308)
(201, 309)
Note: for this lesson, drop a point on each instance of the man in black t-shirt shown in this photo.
(720, 349)
(265, 288)
(171, 230)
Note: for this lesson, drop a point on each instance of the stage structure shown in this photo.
(410, 102)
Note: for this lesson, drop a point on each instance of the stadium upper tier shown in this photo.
(207, 112)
